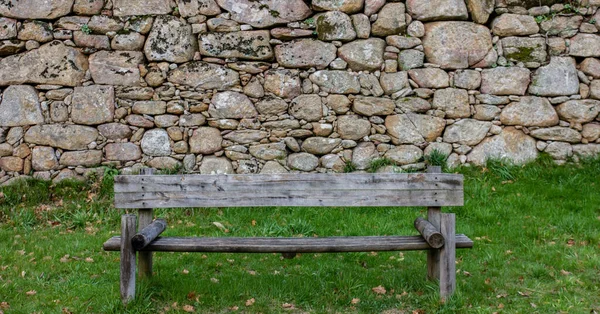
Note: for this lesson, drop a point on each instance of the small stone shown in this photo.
(283, 83)
(364, 54)
(514, 25)
(305, 53)
(206, 141)
(444, 44)
(404, 154)
(303, 161)
(390, 20)
(373, 106)
(251, 45)
(346, 6)
(430, 77)
(437, 10)
(505, 81)
(320, 145)
(413, 104)
(115, 131)
(363, 154)
(156, 142)
(20, 106)
(85, 158)
(92, 105)
(579, 111)
(352, 127)
(267, 12)
(335, 25)
(454, 102)
(122, 151)
(149, 107)
(69, 137)
(43, 158)
(170, 40)
(11, 164)
(336, 82)
(467, 132)
(555, 79)
(467, 79)
(231, 105)
(394, 82)
(530, 111)
(307, 107)
(557, 133)
(216, 165)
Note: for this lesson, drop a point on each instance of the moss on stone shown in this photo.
(522, 54)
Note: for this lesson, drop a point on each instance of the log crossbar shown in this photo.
(146, 192)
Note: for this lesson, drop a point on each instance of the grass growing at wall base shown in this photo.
(536, 251)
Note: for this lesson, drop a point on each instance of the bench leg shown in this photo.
(145, 258)
(433, 256)
(128, 224)
(447, 270)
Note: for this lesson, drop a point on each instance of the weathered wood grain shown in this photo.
(433, 216)
(448, 256)
(431, 234)
(290, 245)
(289, 190)
(141, 239)
(128, 224)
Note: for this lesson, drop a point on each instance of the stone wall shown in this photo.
(268, 86)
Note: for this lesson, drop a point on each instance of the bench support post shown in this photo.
(448, 256)
(434, 217)
(146, 215)
(128, 223)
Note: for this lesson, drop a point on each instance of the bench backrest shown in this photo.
(355, 190)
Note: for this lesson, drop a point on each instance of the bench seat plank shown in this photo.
(289, 245)
(356, 190)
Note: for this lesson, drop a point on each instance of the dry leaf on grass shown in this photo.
(4, 305)
(89, 260)
(185, 271)
(564, 272)
(188, 308)
(234, 308)
(289, 306)
(379, 290)
(31, 292)
(250, 302)
(355, 301)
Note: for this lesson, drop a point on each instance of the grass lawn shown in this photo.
(537, 250)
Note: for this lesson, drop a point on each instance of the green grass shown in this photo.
(536, 232)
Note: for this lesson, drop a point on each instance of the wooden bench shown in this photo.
(432, 190)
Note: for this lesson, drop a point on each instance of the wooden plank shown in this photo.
(145, 218)
(290, 245)
(148, 234)
(364, 197)
(448, 257)
(127, 285)
(431, 234)
(433, 216)
(285, 182)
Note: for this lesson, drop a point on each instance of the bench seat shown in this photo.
(288, 245)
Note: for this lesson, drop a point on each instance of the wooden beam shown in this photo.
(357, 190)
(148, 234)
(432, 235)
(145, 218)
(290, 245)
(448, 257)
(127, 285)
(433, 216)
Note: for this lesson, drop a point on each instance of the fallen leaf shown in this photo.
(234, 308)
(64, 259)
(188, 308)
(253, 222)
(66, 311)
(571, 242)
(500, 306)
(89, 260)
(533, 305)
(355, 301)
(214, 280)
(379, 290)
(191, 295)
(4, 305)
(252, 272)
(23, 274)
(220, 226)
(502, 295)
(523, 294)
(185, 271)
(564, 272)
(31, 292)
(250, 302)
(488, 281)
(288, 306)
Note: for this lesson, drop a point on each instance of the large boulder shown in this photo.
(305, 53)
(456, 45)
(170, 40)
(116, 67)
(52, 63)
(35, 9)
(251, 45)
(20, 106)
(559, 78)
(511, 144)
(93, 104)
(198, 74)
(529, 111)
(69, 137)
(141, 7)
(265, 13)
(437, 10)
(363, 54)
